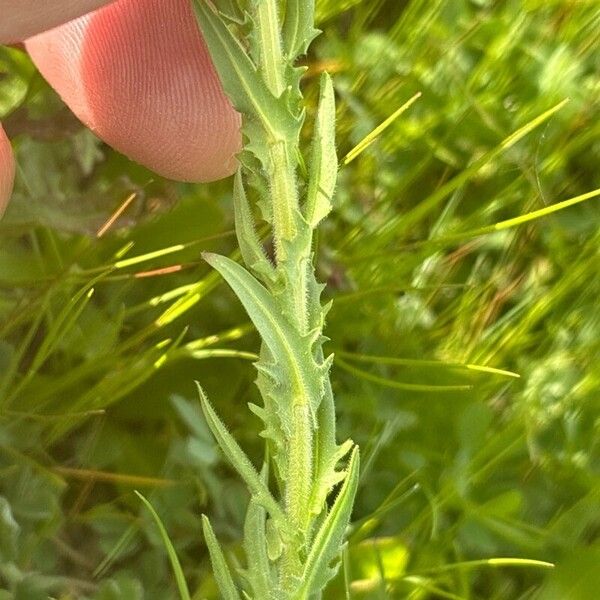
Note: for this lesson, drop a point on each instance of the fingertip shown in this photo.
(23, 18)
(139, 75)
(7, 171)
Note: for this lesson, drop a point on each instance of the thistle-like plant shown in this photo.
(302, 498)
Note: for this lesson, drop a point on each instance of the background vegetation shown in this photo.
(467, 351)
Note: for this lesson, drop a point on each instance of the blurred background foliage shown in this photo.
(467, 354)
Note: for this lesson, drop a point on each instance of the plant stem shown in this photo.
(284, 197)
(271, 55)
(283, 299)
(282, 182)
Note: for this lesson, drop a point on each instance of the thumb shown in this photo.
(137, 72)
(21, 19)
(7, 170)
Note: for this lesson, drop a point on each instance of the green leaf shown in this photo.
(9, 532)
(60, 325)
(324, 163)
(327, 544)
(255, 546)
(250, 246)
(16, 71)
(240, 462)
(219, 564)
(184, 593)
(302, 379)
(327, 452)
(298, 29)
(239, 76)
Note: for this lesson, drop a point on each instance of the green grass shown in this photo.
(465, 320)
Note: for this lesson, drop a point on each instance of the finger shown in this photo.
(138, 73)
(7, 170)
(20, 19)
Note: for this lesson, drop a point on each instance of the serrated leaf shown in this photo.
(250, 246)
(184, 593)
(239, 76)
(329, 539)
(328, 476)
(219, 564)
(298, 29)
(324, 163)
(240, 462)
(300, 373)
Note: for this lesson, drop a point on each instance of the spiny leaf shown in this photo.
(324, 164)
(298, 29)
(329, 476)
(219, 564)
(271, 420)
(184, 593)
(327, 452)
(240, 462)
(326, 544)
(239, 76)
(250, 246)
(283, 341)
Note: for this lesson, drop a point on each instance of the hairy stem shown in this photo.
(283, 299)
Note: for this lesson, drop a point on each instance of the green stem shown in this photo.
(298, 493)
(284, 197)
(271, 55)
(284, 303)
(288, 227)
(281, 169)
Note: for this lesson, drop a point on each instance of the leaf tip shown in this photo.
(208, 257)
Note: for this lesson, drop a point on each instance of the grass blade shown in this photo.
(371, 137)
(399, 385)
(184, 592)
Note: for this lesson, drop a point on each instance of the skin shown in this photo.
(23, 18)
(138, 73)
(7, 170)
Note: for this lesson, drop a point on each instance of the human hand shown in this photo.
(138, 73)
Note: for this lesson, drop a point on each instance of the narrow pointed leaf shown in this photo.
(255, 546)
(330, 537)
(324, 163)
(239, 76)
(282, 339)
(326, 449)
(184, 593)
(219, 564)
(250, 246)
(239, 461)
